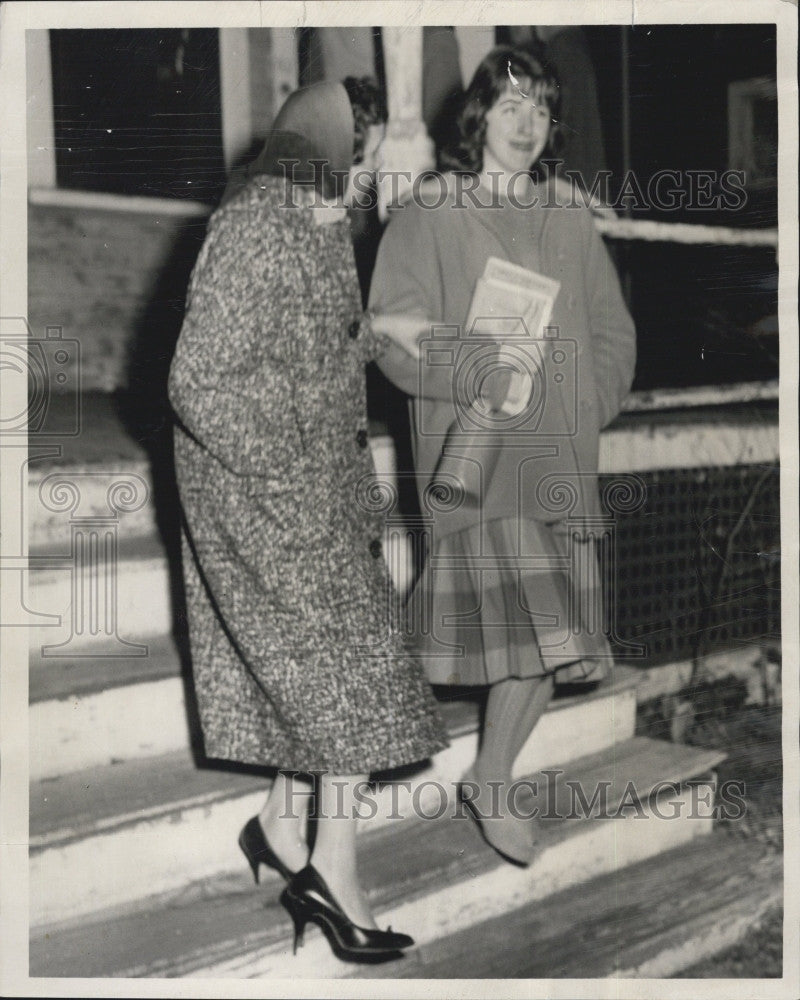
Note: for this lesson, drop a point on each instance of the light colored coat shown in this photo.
(480, 609)
(428, 263)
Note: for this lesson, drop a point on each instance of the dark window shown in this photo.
(137, 112)
(704, 314)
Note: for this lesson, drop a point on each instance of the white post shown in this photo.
(285, 66)
(234, 82)
(41, 128)
(407, 146)
(402, 58)
(258, 71)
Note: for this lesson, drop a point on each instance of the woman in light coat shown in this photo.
(510, 559)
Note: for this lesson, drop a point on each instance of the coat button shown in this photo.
(354, 329)
(375, 548)
(362, 438)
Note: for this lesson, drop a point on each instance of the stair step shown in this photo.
(91, 480)
(86, 712)
(70, 678)
(95, 711)
(147, 575)
(104, 450)
(650, 920)
(442, 879)
(150, 807)
(102, 438)
(148, 589)
(75, 483)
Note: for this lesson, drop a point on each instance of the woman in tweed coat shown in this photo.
(498, 595)
(297, 660)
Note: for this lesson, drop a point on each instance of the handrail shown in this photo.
(682, 232)
(701, 395)
(106, 202)
(640, 401)
(607, 224)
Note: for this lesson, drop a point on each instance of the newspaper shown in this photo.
(507, 293)
(504, 295)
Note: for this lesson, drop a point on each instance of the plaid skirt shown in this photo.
(511, 598)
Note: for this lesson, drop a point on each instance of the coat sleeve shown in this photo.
(408, 278)
(613, 336)
(232, 379)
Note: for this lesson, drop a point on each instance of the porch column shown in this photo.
(284, 68)
(407, 146)
(258, 70)
(234, 85)
(41, 129)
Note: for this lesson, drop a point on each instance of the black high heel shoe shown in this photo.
(307, 897)
(258, 852)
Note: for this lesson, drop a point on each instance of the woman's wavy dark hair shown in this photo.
(369, 108)
(490, 82)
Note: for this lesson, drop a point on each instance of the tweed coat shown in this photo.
(296, 654)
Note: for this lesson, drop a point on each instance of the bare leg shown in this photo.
(513, 708)
(334, 854)
(283, 819)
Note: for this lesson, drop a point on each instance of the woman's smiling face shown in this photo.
(517, 128)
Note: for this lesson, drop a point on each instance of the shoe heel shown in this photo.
(300, 918)
(253, 862)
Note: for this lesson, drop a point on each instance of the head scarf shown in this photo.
(315, 124)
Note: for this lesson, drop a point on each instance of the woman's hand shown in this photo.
(405, 331)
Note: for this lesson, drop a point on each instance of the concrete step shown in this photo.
(442, 878)
(150, 808)
(100, 605)
(651, 920)
(89, 448)
(70, 678)
(100, 711)
(95, 711)
(103, 537)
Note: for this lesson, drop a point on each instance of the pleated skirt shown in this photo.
(511, 598)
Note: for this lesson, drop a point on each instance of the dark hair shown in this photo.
(489, 83)
(369, 108)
